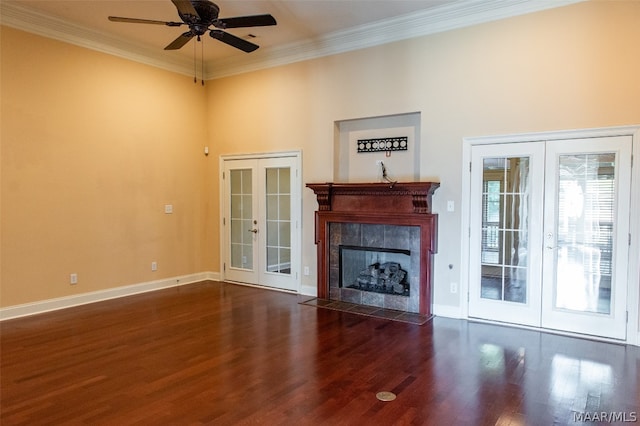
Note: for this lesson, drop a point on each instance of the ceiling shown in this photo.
(305, 29)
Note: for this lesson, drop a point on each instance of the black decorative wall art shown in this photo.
(383, 144)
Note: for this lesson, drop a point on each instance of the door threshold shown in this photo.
(264, 287)
(551, 331)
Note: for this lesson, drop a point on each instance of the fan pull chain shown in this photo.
(195, 67)
(202, 62)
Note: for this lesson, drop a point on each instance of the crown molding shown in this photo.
(444, 18)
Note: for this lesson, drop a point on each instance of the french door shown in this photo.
(506, 242)
(261, 221)
(549, 234)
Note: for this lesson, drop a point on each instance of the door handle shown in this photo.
(254, 230)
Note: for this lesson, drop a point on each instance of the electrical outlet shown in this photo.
(73, 279)
(168, 208)
(154, 266)
(453, 287)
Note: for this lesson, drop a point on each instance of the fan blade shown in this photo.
(180, 41)
(144, 21)
(234, 41)
(246, 21)
(185, 8)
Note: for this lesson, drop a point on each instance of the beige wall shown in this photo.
(567, 68)
(94, 146)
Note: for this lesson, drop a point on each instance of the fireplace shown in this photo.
(376, 243)
(374, 269)
(377, 265)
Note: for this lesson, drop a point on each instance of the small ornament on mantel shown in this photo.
(385, 178)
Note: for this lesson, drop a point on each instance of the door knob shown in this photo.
(255, 231)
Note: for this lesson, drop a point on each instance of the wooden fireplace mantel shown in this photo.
(402, 203)
(400, 197)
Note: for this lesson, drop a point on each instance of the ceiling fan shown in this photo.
(200, 16)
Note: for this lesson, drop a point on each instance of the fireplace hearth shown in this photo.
(376, 243)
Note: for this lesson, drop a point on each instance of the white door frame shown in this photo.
(296, 200)
(633, 271)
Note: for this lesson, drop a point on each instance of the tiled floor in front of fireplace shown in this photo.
(371, 311)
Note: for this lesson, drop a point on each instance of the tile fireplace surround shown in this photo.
(377, 215)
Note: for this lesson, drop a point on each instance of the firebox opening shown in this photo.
(373, 269)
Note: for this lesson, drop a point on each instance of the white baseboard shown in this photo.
(306, 290)
(447, 311)
(42, 306)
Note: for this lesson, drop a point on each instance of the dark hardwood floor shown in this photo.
(223, 354)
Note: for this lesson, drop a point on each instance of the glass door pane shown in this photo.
(505, 209)
(585, 219)
(241, 218)
(278, 220)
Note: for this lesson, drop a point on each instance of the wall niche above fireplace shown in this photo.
(350, 165)
(392, 226)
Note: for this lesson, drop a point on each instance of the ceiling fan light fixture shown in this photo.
(200, 16)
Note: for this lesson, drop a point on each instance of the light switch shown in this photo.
(450, 206)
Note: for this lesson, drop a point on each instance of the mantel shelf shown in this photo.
(399, 197)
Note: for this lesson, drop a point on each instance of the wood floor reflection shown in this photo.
(223, 354)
